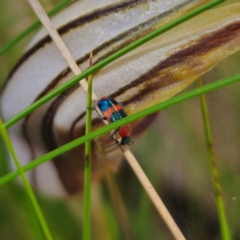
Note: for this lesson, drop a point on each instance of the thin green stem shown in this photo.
(108, 60)
(87, 170)
(124, 121)
(26, 183)
(28, 30)
(212, 157)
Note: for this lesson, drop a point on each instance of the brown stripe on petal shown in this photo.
(70, 165)
(48, 89)
(170, 71)
(73, 24)
(129, 36)
(47, 122)
(65, 167)
(53, 83)
(112, 49)
(139, 31)
(46, 128)
(25, 131)
(74, 123)
(99, 13)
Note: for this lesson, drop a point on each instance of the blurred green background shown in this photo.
(172, 153)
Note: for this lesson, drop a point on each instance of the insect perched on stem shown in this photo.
(113, 111)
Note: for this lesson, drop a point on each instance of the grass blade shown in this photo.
(26, 183)
(212, 157)
(87, 170)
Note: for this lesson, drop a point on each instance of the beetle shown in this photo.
(113, 111)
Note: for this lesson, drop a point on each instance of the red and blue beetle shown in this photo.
(113, 111)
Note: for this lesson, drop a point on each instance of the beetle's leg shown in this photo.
(117, 142)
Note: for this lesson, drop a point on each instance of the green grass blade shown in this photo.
(26, 183)
(28, 30)
(117, 124)
(87, 170)
(108, 60)
(212, 157)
